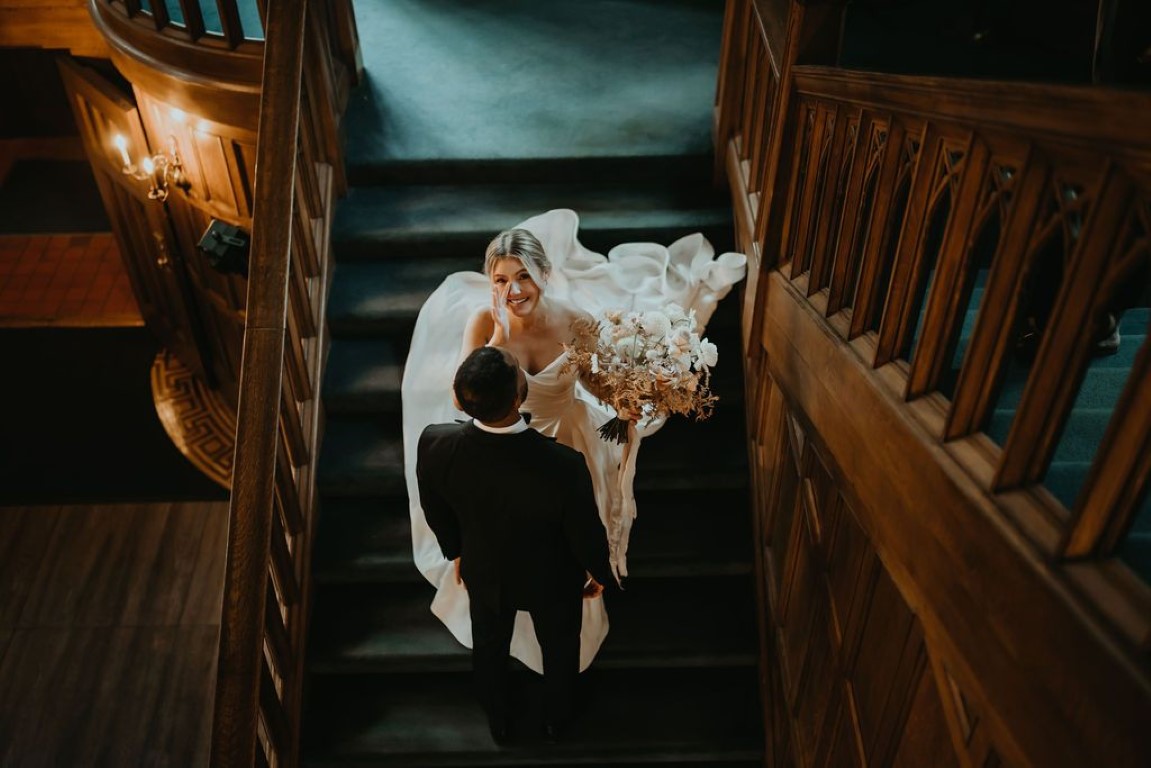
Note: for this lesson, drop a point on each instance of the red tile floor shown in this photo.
(73, 279)
(64, 280)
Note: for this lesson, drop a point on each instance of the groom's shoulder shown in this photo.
(439, 432)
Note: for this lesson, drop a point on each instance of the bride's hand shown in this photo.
(502, 331)
(627, 414)
(592, 589)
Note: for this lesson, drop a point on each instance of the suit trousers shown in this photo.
(557, 627)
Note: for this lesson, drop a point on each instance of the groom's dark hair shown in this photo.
(486, 383)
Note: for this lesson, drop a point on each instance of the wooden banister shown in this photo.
(1088, 116)
(242, 683)
(257, 126)
(872, 206)
(954, 155)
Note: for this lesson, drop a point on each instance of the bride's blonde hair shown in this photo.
(523, 245)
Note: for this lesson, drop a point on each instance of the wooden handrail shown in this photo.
(871, 205)
(266, 599)
(241, 663)
(1088, 116)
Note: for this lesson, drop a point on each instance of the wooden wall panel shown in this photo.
(958, 596)
(64, 24)
(219, 158)
(219, 163)
(848, 676)
(1002, 623)
(925, 740)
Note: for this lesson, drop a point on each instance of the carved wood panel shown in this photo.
(219, 158)
(219, 164)
(851, 668)
(151, 254)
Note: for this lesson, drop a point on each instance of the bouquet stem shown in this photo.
(614, 429)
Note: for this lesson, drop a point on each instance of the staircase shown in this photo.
(471, 121)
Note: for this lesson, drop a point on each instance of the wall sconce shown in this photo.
(161, 170)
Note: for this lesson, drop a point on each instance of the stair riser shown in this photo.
(386, 245)
(689, 170)
(397, 324)
(686, 714)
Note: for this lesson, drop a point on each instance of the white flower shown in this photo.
(680, 341)
(675, 313)
(656, 324)
(627, 347)
(624, 329)
(594, 363)
(709, 352)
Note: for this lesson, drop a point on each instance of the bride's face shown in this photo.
(510, 277)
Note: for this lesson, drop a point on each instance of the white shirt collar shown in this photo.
(511, 429)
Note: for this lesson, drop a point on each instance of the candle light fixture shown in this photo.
(160, 170)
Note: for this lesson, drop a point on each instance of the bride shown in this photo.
(537, 280)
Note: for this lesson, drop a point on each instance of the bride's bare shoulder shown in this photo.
(571, 313)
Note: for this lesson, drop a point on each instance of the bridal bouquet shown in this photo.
(652, 364)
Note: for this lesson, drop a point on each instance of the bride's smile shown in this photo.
(512, 279)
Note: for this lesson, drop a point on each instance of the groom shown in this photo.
(516, 512)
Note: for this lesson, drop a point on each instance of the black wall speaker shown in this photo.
(226, 248)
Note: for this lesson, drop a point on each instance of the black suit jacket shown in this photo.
(518, 509)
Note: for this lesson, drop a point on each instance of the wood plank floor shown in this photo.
(109, 617)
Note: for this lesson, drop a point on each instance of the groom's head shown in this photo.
(489, 385)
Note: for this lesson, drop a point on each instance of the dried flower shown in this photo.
(652, 363)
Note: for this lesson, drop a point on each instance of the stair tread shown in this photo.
(369, 539)
(373, 628)
(405, 213)
(365, 456)
(366, 539)
(363, 376)
(434, 719)
(381, 299)
(384, 290)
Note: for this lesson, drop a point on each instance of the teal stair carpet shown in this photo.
(473, 117)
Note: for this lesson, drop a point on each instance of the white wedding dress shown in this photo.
(633, 276)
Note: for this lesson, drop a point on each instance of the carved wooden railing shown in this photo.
(232, 53)
(875, 203)
(257, 709)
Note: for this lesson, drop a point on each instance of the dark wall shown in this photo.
(1037, 40)
(34, 100)
(35, 104)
